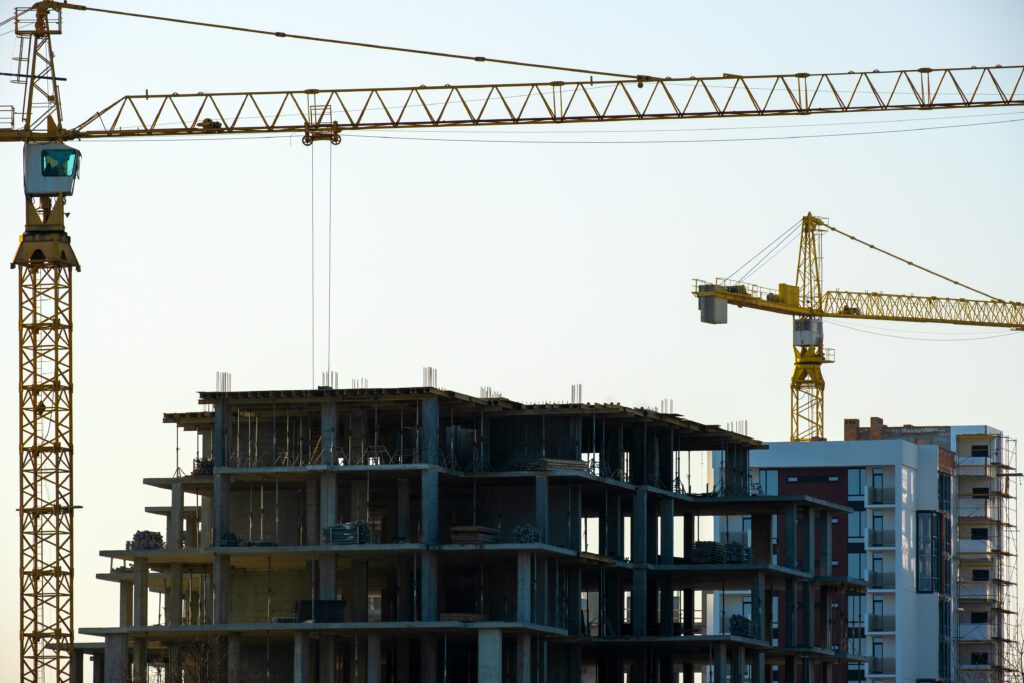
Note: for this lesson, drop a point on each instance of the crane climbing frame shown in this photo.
(45, 259)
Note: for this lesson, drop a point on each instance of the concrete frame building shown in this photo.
(419, 534)
(933, 530)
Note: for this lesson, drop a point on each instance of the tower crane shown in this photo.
(809, 304)
(45, 259)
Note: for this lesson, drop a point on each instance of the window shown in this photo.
(929, 552)
(979, 575)
(980, 492)
(979, 617)
(855, 482)
(945, 492)
(59, 163)
(979, 659)
(979, 533)
(979, 450)
(855, 565)
(855, 522)
(769, 480)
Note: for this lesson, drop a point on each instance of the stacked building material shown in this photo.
(347, 533)
(526, 533)
(556, 464)
(146, 540)
(230, 539)
(462, 616)
(741, 626)
(473, 535)
(711, 552)
(708, 552)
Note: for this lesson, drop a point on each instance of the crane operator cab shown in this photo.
(50, 169)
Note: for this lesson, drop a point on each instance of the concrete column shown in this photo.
(325, 654)
(312, 516)
(77, 673)
(688, 611)
(524, 580)
(373, 671)
(234, 657)
(205, 521)
(788, 620)
(191, 537)
(328, 433)
(428, 659)
(174, 525)
(174, 598)
(140, 586)
(790, 541)
(430, 425)
(808, 608)
(221, 506)
(668, 524)
(173, 664)
(428, 587)
(358, 603)
(666, 621)
(98, 674)
(428, 507)
(689, 535)
(300, 659)
(488, 668)
(757, 611)
(328, 565)
(638, 603)
(761, 538)
(221, 589)
(404, 520)
(524, 659)
(720, 663)
(613, 524)
(739, 665)
(638, 527)
(116, 666)
(125, 613)
(758, 674)
(540, 507)
(809, 556)
(140, 672)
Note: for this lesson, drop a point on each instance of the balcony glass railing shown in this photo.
(882, 579)
(885, 538)
(882, 622)
(881, 496)
(883, 665)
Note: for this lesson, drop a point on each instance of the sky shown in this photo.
(524, 267)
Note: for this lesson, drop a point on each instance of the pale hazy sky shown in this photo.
(524, 267)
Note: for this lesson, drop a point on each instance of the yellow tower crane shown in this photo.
(45, 259)
(809, 305)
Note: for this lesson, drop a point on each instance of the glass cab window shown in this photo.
(59, 163)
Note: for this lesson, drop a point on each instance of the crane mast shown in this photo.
(45, 260)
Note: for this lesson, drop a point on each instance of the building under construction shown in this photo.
(419, 534)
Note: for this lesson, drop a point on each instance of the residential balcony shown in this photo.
(882, 580)
(978, 632)
(977, 590)
(976, 545)
(881, 496)
(882, 538)
(976, 508)
(881, 622)
(885, 666)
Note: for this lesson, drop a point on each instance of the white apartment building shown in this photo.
(933, 532)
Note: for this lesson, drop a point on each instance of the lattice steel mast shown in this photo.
(45, 262)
